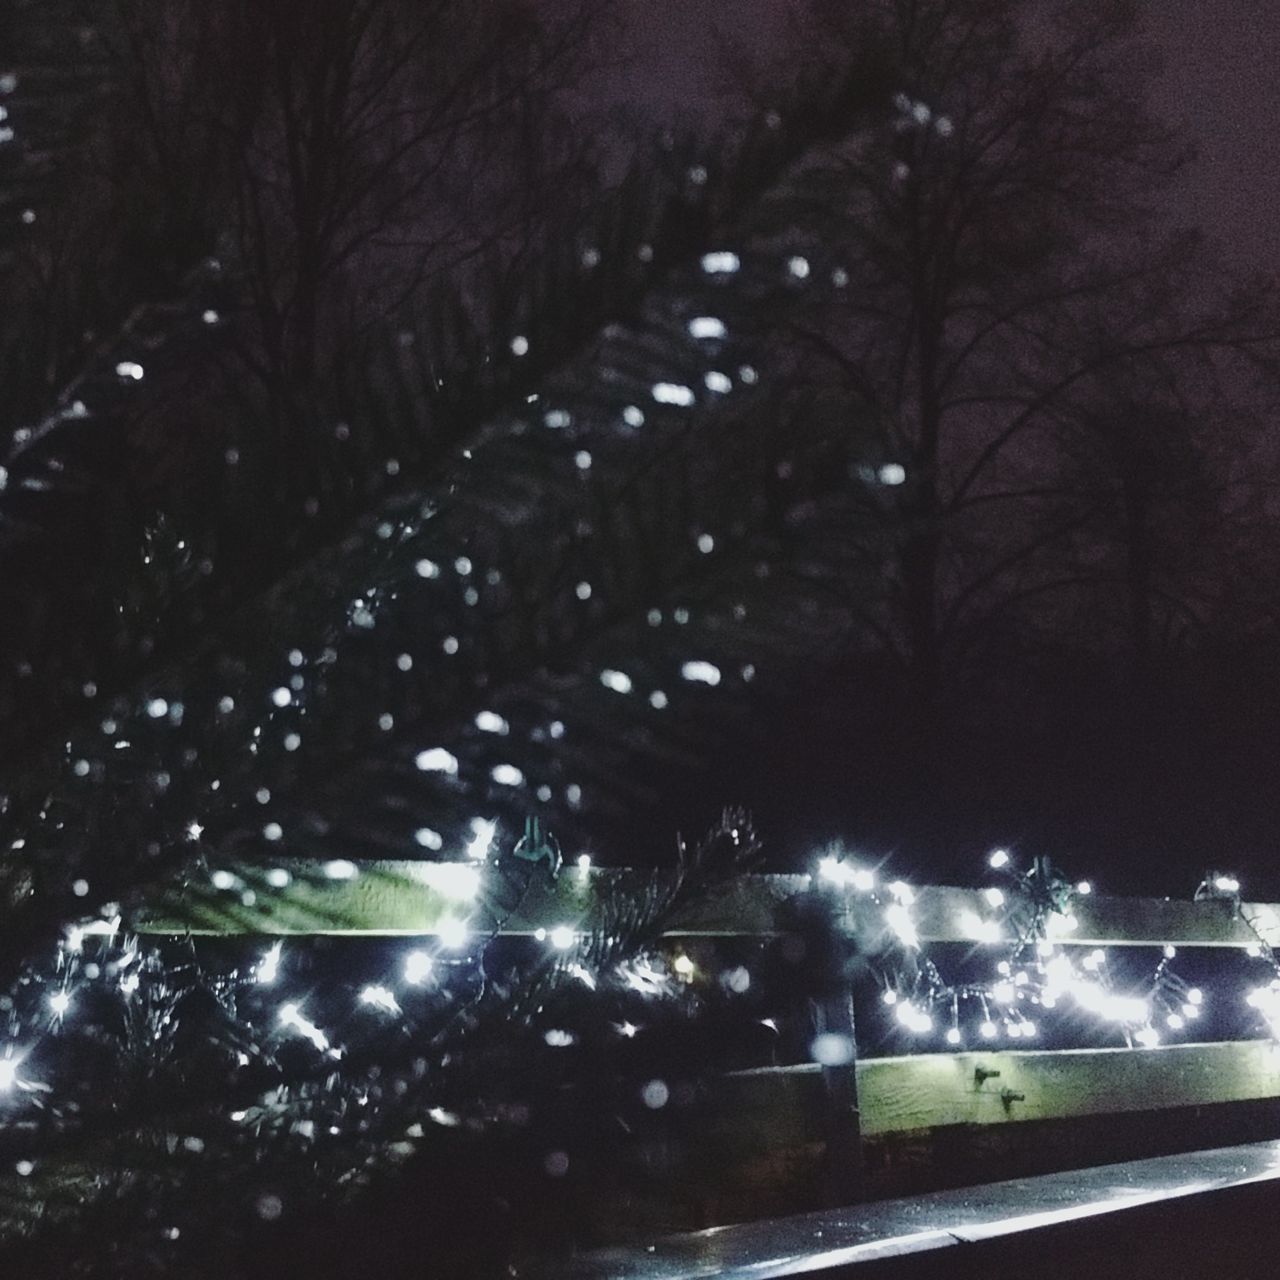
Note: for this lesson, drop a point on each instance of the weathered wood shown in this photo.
(929, 1091)
(413, 897)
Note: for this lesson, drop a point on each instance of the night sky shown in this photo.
(1219, 86)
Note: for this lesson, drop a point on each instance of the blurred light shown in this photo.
(999, 858)
(269, 966)
(453, 932)
(561, 937)
(482, 833)
(379, 998)
(417, 967)
(436, 760)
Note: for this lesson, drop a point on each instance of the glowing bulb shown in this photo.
(379, 998)
(562, 937)
(60, 1002)
(683, 966)
(987, 1030)
(994, 897)
(417, 967)
(898, 918)
(953, 1035)
(269, 966)
(453, 932)
(1084, 888)
(8, 1073)
(584, 862)
(482, 833)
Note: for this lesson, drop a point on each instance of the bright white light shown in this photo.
(379, 998)
(436, 760)
(507, 775)
(890, 997)
(157, 707)
(584, 862)
(633, 416)
(1148, 1037)
(999, 858)
(699, 672)
(684, 966)
(672, 393)
(718, 382)
(994, 897)
(453, 933)
(898, 918)
(426, 838)
(60, 1002)
(130, 369)
(1003, 992)
(618, 681)
(914, 1019)
(491, 722)
(340, 869)
(1195, 995)
(902, 891)
(953, 1035)
(973, 926)
(281, 697)
(427, 569)
(892, 474)
(1057, 923)
(457, 880)
(222, 880)
(658, 700)
(798, 267)
(1227, 884)
(482, 833)
(290, 1016)
(8, 1074)
(278, 878)
(1084, 888)
(721, 262)
(582, 460)
(269, 966)
(1175, 1022)
(561, 937)
(987, 1030)
(707, 327)
(519, 345)
(417, 967)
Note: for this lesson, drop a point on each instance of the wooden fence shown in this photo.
(806, 1124)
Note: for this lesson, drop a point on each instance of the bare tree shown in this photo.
(967, 268)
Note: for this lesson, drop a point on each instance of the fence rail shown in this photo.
(390, 898)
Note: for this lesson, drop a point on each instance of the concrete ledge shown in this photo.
(945, 1230)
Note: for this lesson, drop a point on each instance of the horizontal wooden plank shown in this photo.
(414, 897)
(928, 1091)
(418, 898)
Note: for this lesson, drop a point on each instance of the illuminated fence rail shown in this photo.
(823, 1125)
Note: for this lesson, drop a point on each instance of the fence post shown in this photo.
(842, 1123)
